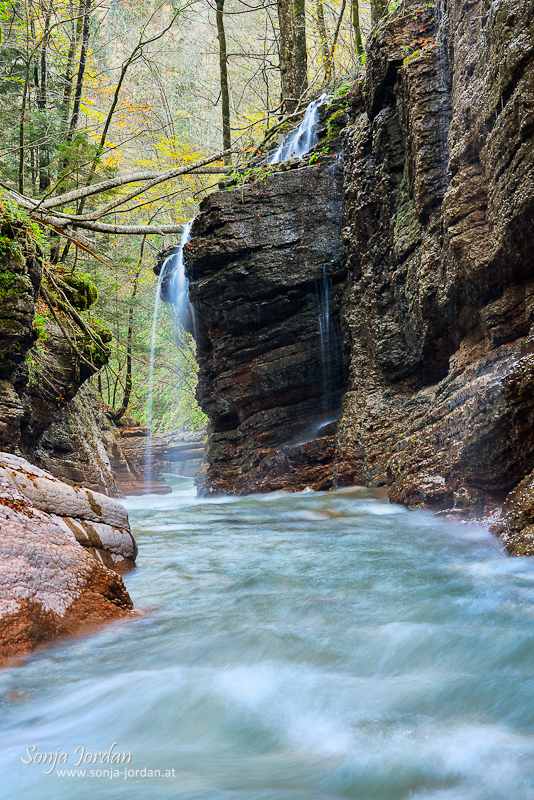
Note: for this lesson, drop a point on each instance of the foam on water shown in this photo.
(310, 646)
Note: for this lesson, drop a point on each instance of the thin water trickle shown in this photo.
(178, 295)
(327, 337)
(291, 647)
(304, 138)
(150, 400)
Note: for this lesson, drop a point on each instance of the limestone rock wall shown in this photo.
(47, 412)
(439, 306)
(263, 259)
(78, 444)
(432, 282)
(20, 279)
(141, 460)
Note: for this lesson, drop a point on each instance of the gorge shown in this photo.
(414, 209)
(314, 620)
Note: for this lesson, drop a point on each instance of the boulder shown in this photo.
(61, 549)
(97, 521)
(517, 527)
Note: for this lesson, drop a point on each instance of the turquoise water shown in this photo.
(292, 646)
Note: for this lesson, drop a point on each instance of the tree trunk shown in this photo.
(44, 153)
(225, 94)
(116, 415)
(301, 53)
(76, 32)
(287, 48)
(358, 45)
(330, 68)
(321, 30)
(81, 70)
(33, 170)
(22, 152)
(379, 9)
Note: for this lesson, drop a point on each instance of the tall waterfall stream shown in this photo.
(178, 294)
(308, 646)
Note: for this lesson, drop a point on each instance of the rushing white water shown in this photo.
(291, 647)
(304, 138)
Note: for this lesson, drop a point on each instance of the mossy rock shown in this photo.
(11, 327)
(128, 421)
(14, 290)
(8, 284)
(337, 120)
(105, 334)
(334, 125)
(82, 293)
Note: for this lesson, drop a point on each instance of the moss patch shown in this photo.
(82, 292)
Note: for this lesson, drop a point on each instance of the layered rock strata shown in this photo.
(266, 264)
(439, 199)
(142, 459)
(78, 445)
(61, 549)
(432, 282)
(46, 411)
(98, 522)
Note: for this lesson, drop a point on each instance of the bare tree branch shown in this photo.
(153, 178)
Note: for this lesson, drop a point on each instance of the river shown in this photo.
(291, 647)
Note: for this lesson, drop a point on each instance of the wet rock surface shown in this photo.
(432, 282)
(97, 521)
(48, 413)
(60, 551)
(517, 525)
(140, 460)
(266, 264)
(439, 304)
(78, 445)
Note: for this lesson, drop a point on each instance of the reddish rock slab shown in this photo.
(53, 577)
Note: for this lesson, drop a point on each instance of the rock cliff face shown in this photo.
(432, 282)
(60, 551)
(48, 413)
(266, 266)
(73, 440)
(439, 198)
(42, 415)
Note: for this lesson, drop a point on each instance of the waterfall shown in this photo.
(327, 348)
(178, 295)
(327, 337)
(178, 285)
(304, 138)
(157, 300)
